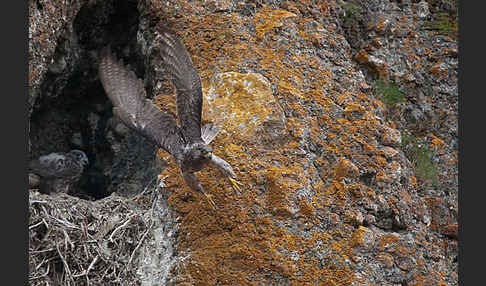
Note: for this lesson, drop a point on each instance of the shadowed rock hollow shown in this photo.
(334, 193)
(71, 110)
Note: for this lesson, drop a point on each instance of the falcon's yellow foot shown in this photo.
(210, 201)
(235, 184)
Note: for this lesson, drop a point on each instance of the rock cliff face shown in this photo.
(338, 116)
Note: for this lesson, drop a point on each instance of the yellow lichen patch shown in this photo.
(286, 87)
(391, 137)
(437, 142)
(388, 152)
(379, 161)
(306, 209)
(240, 103)
(268, 18)
(386, 259)
(382, 178)
(345, 168)
(354, 110)
(362, 56)
(280, 183)
(363, 237)
(388, 242)
(295, 126)
(336, 194)
(439, 70)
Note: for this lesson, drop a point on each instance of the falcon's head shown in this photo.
(195, 156)
(79, 156)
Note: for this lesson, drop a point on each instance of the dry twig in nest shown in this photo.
(77, 242)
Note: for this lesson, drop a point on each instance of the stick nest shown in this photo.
(78, 242)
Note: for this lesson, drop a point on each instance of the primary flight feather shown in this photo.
(187, 143)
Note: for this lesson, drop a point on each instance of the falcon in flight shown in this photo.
(57, 172)
(188, 143)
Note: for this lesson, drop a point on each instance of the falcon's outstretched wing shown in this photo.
(185, 78)
(130, 104)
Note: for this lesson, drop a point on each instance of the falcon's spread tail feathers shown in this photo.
(209, 132)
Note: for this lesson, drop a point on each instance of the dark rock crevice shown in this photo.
(73, 112)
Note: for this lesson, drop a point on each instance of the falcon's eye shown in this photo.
(205, 153)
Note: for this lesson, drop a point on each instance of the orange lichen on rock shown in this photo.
(277, 191)
(438, 143)
(388, 152)
(260, 90)
(363, 237)
(307, 209)
(391, 137)
(268, 19)
(439, 70)
(345, 168)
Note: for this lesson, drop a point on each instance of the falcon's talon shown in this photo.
(235, 184)
(210, 200)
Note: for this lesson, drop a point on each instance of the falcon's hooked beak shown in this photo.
(206, 154)
(85, 162)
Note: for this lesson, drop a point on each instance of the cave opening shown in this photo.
(73, 112)
(65, 122)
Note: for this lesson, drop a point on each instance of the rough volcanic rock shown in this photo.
(329, 197)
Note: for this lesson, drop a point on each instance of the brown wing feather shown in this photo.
(127, 94)
(185, 78)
